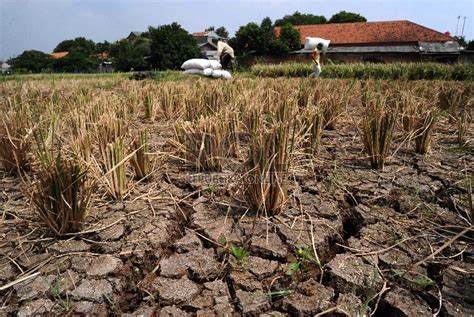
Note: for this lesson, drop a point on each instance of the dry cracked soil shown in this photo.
(181, 245)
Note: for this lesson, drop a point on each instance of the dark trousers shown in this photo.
(226, 61)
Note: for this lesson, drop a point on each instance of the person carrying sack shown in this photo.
(225, 54)
(315, 56)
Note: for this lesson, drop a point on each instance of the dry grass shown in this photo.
(112, 160)
(14, 143)
(378, 124)
(313, 128)
(141, 162)
(464, 123)
(202, 144)
(150, 107)
(265, 177)
(259, 128)
(61, 195)
(424, 128)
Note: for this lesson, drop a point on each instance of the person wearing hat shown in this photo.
(315, 56)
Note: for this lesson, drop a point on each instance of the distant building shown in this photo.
(204, 40)
(386, 42)
(134, 35)
(59, 55)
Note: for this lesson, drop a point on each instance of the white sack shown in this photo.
(217, 73)
(194, 71)
(221, 74)
(226, 74)
(311, 42)
(215, 64)
(196, 63)
(207, 72)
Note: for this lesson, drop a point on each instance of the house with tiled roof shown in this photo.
(205, 42)
(389, 41)
(58, 54)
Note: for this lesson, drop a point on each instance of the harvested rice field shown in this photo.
(249, 197)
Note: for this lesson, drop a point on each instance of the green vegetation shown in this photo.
(304, 256)
(404, 71)
(298, 18)
(61, 76)
(240, 256)
(56, 289)
(170, 46)
(221, 31)
(34, 61)
(424, 281)
(79, 44)
(345, 17)
(128, 55)
(261, 39)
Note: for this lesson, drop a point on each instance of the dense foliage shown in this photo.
(170, 46)
(79, 44)
(76, 62)
(406, 71)
(290, 37)
(298, 18)
(128, 55)
(33, 61)
(261, 39)
(345, 17)
(221, 31)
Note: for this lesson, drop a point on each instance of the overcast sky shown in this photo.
(42, 24)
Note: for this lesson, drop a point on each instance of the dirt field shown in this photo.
(350, 240)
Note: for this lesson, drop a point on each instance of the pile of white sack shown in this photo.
(205, 67)
(310, 43)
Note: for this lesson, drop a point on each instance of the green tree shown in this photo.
(298, 18)
(33, 61)
(76, 62)
(170, 46)
(127, 56)
(344, 17)
(470, 45)
(290, 37)
(221, 31)
(250, 38)
(103, 47)
(79, 44)
(269, 36)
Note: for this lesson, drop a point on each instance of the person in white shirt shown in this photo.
(225, 54)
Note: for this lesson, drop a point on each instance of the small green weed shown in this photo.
(240, 255)
(278, 294)
(113, 305)
(304, 255)
(424, 281)
(365, 308)
(293, 268)
(56, 292)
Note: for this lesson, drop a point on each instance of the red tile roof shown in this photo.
(371, 33)
(58, 54)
